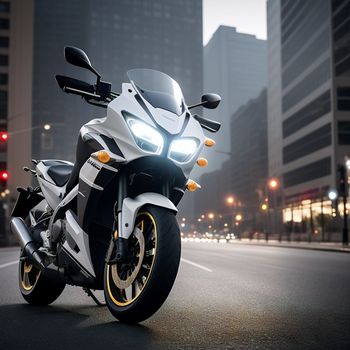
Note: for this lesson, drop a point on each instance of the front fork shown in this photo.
(118, 247)
(125, 213)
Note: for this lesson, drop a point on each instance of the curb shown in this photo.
(283, 245)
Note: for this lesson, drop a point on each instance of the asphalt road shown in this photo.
(236, 297)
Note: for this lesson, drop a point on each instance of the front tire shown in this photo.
(135, 291)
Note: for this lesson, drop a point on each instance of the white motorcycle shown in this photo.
(108, 222)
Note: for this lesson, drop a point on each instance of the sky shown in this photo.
(248, 16)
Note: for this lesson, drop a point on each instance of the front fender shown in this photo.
(131, 207)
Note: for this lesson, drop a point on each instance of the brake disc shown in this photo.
(118, 281)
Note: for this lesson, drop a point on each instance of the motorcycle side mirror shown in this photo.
(210, 101)
(77, 57)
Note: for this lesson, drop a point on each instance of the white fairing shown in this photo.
(69, 197)
(131, 207)
(81, 239)
(52, 193)
(115, 126)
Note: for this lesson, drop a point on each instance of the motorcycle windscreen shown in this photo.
(157, 88)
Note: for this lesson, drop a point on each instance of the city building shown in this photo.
(235, 67)
(4, 90)
(248, 163)
(4, 59)
(239, 186)
(308, 102)
(119, 35)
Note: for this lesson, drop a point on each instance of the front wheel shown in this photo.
(136, 289)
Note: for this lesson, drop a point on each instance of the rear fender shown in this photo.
(131, 207)
(25, 202)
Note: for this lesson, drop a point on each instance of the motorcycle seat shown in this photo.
(59, 172)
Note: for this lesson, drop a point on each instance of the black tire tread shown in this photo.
(164, 270)
(45, 291)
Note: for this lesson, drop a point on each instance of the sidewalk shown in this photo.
(325, 246)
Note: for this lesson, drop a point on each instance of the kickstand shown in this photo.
(92, 295)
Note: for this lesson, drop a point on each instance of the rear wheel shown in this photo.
(136, 289)
(35, 288)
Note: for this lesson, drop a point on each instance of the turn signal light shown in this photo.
(202, 162)
(192, 185)
(103, 156)
(209, 142)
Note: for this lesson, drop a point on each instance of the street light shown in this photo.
(264, 208)
(238, 219)
(347, 163)
(343, 187)
(46, 127)
(273, 184)
(230, 200)
(211, 216)
(332, 195)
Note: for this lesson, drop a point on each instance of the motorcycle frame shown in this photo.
(105, 192)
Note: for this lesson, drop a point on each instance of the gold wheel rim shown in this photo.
(109, 279)
(29, 276)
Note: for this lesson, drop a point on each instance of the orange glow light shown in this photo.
(264, 207)
(238, 217)
(230, 200)
(273, 184)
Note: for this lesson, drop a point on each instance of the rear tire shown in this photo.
(157, 272)
(35, 288)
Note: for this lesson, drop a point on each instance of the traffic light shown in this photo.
(3, 136)
(334, 207)
(264, 207)
(4, 175)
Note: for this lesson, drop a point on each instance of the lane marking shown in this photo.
(8, 264)
(197, 265)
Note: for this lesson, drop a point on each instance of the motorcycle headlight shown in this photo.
(182, 150)
(146, 137)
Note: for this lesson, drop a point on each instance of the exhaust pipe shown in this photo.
(20, 230)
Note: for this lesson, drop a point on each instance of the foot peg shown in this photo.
(47, 251)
